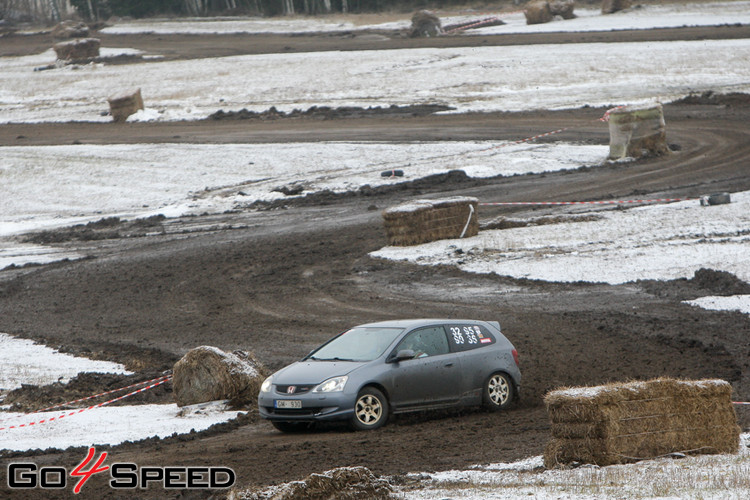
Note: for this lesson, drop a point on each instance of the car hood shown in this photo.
(314, 372)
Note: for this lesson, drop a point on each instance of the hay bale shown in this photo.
(538, 12)
(620, 423)
(122, 105)
(425, 24)
(636, 132)
(210, 374)
(612, 6)
(70, 29)
(563, 8)
(79, 49)
(422, 221)
(348, 483)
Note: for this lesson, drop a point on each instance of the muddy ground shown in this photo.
(279, 279)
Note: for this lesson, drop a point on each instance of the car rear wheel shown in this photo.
(292, 426)
(370, 410)
(498, 392)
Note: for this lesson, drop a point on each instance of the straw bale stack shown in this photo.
(78, 49)
(210, 374)
(636, 132)
(125, 104)
(422, 221)
(620, 423)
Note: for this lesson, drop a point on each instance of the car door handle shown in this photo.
(448, 364)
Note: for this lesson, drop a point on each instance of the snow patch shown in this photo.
(105, 425)
(52, 186)
(641, 18)
(470, 79)
(24, 362)
(739, 303)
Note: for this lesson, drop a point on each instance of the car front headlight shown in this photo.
(335, 384)
(266, 385)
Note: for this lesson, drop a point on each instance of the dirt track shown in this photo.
(278, 282)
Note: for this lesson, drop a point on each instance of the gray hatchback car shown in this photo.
(370, 371)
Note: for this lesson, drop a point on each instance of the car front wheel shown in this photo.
(370, 410)
(498, 392)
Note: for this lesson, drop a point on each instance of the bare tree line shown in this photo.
(52, 11)
(44, 11)
(285, 7)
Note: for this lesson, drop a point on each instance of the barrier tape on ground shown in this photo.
(476, 24)
(603, 202)
(603, 118)
(81, 410)
(740, 403)
(94, 396)
(453, 13)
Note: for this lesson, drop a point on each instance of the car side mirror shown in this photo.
(404, 354)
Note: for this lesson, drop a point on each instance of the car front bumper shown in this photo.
(313, 407)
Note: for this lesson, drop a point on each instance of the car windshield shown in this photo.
(357, 344)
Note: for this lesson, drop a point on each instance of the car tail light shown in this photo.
(515, 357)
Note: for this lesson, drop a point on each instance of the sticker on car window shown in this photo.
(465, 337)
(458, 337)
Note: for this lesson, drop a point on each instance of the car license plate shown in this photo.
(288, 403)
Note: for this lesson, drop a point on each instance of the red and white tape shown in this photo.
(95, 396)
(603, 202)
(473, 25)
(475, 13)
(76, 412)
(740, 403)
(528, 139)
(604, 118)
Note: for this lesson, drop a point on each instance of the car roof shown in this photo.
(412, 323)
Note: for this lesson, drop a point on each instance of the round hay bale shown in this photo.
(636, 132)
(425, 24)
(209, 374)
(70, 29)
(538, 12)
(612, 6)
(563, 8)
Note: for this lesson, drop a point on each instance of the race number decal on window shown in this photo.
(465, 337)
(458, 338)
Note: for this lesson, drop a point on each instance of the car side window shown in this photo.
(430, 341)
(465, 337)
